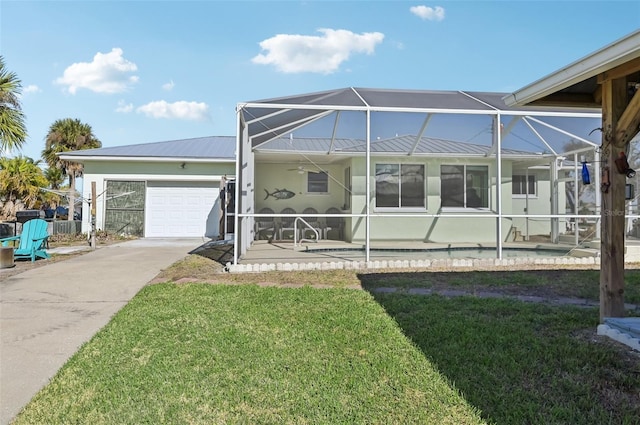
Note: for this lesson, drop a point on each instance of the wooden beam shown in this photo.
(629, 122)
(597, 95)
(620, 71)
(614, 94)
(580, 100)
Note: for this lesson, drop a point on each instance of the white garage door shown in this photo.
(181, 209)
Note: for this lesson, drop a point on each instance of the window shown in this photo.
(523, 185)
(464, 186)
(317, 182)
(400, 186)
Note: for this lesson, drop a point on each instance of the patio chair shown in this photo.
(265, 227)
(31, 240)
(313, 222)
(334, 228)
(285, 228)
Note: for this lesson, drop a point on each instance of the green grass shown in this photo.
(521, 363)
(240, 353)
(211, 354)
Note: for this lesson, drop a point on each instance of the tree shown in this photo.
(20, 182)
(55, 179)
(13, 131)
(66, 135)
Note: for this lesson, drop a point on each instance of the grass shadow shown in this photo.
(518, 363)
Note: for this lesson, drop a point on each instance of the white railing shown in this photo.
(295, 232)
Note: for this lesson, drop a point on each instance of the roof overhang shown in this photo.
(576, 85)
(84, 159)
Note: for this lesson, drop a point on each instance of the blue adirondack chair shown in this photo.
(31, 240)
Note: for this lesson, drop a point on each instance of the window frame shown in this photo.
(524, 195)
(401, 208)
(325, 182)
(466, 208)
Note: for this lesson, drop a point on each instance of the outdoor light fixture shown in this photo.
(623, 165)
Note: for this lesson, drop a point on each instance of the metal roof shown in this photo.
(268, 119)
(201, 148)
(395, 145)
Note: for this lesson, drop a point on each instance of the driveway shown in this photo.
(48, 312)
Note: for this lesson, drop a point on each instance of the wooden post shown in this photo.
(93, 215)
(614, 101)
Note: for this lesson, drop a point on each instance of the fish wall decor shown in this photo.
(280, 194)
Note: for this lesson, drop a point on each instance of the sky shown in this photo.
(152, 71)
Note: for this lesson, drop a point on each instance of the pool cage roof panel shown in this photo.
(270, 119)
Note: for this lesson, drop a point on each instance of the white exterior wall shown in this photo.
(432, 229)
(539, 204)
(100, 172)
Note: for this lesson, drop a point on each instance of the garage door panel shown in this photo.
(178, 209)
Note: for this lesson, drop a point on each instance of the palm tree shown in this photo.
(55, 178)
(67, 135)
(20, 182)
(13, 131)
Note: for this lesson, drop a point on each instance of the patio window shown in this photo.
(400, 186)
(523, 185)
(317, 182)
(464, 186)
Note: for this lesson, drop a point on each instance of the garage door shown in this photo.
(181, 209)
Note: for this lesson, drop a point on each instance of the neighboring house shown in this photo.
(164, 189)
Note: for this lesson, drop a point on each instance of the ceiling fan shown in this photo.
(302, 170)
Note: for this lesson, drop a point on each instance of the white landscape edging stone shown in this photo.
(455, 263)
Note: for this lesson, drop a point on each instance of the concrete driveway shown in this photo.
(48, 312)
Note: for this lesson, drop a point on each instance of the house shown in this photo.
(163, 189)
(407, 166)
(443, 167)
(439, 176)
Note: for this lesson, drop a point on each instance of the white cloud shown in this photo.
(107, 73)
(31, 88)
(182, 110)
(292, 53)
(168, 86)
(427, 13)
(124, 107)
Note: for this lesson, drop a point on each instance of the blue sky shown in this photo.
(149, 71)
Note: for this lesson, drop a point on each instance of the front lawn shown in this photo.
(211, 354)
(243, 353)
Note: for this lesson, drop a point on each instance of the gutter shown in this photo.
(81, 159)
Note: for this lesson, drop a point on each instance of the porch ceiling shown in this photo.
(576, 84)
